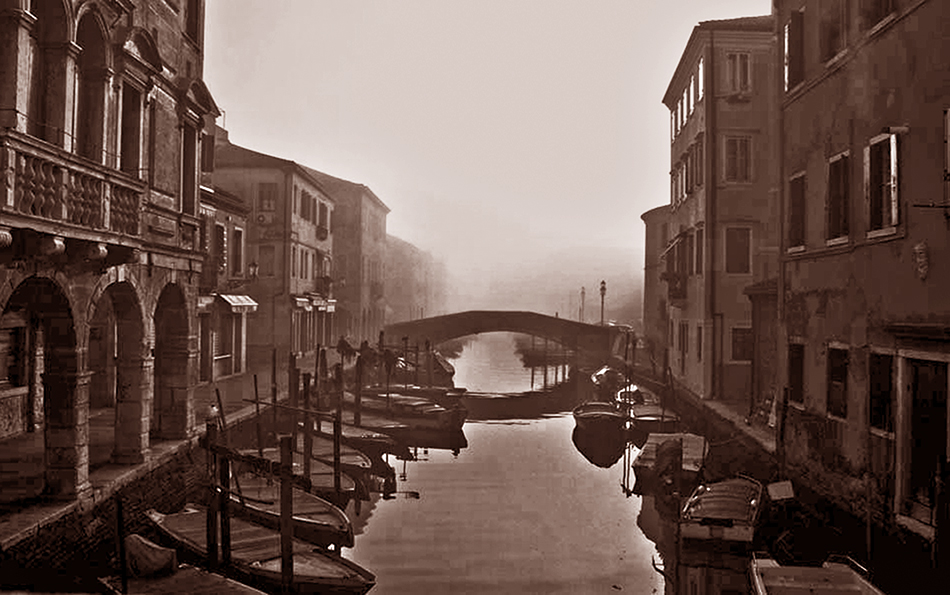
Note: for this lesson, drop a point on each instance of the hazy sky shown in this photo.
(497, 131)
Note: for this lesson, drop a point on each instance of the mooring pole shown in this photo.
(224, 469)
(338, 432)
(293, 375)
(120, 543)
(273, 386)
(257, 418)
(357, 414)
(286, 513)
(211, 525)
(307, 426)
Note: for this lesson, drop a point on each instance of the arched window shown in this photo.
(90, 93)
(46, 109)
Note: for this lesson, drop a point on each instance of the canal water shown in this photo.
(519, 510)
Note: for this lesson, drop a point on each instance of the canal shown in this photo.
(519, 510)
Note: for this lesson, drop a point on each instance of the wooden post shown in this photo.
(211, 526)
(337, 433)
(545, 363)
(429, 363)
(286, 513)
(120, 543)
(224, 436)
(224, 469)
(307, 426)
(416, 376)
(257, 418)
(293, 375)
(273, 386)
(357, 414)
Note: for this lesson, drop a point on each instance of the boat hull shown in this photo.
(255, 554)
(723, 511)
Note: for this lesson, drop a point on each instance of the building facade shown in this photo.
(655, 313)
(102, 111)
(359, 246)
(864, 342)
(289, 246)
(722, 217)
(414, 282)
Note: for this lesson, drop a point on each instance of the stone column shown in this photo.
(175, 394)
(67, 433)
(61, 94)
(133, 409)
(15, 27)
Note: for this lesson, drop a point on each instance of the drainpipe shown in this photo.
(712, 143)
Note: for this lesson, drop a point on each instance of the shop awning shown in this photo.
(303, 303)
(239, 303)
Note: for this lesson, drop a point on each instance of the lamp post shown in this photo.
(603, 292)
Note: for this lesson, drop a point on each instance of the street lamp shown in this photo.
(603, 292)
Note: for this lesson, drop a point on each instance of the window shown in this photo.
(266, 254)
(874, 11)
(834, 27)
(796, 211)
(838, 382)
(880, 389)
(207, 153)
(838, 196)
(700, 80)
(880, 179)
(192, 19)
(221, 247)
(692, 94)
(794, 49)
(224, 342)
(683, 344)
(699, 252)
(699, 342)
(189, 168)
(699, 159)
(743, 346)
(690, 255)
(738, 250)
(131, 130)
(738, 161)
(738, 72)
(305, 206)
(796, 373)
(237, 253)
(293, 261)
(13, 350)
(267, 196)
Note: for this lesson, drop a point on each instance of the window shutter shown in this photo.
(893, 181)
(867, 187)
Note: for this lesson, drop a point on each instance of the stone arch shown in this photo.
(50, 74)
(173, 404)
(93, 68)
(50, 357)
(121, 366)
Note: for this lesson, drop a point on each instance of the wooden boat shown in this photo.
(646, 412)
(599, 414)
(414, 412)
(315, 520)
(321, 475)
(727, 510)
(652, 466)
(255, 554)
(186, 579)
(352, 460)
(836, 575)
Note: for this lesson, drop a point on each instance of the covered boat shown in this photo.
(727, 510)
(255, 554)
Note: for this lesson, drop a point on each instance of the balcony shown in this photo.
(55, 192)
(322, 286)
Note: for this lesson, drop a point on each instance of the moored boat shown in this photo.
(836, 575)
(414, 412)
(321, 475)
(647, 413)
(670, 462)
(598, 414)
(256, 554)
(315, 520)
(727, 510)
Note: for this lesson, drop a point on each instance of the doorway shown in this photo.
(928, 432)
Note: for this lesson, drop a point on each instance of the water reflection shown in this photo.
(602, 444)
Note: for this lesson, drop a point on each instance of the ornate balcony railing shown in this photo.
(42, 181)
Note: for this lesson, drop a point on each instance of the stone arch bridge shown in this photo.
(590, 342)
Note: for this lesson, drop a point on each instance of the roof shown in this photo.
(754, 24)
(346, 188)
(656, 211)
(228, 154)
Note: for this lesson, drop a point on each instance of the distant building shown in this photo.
(723, 220)
(865, 345)
(359, 246)
(655, 313)
(290, 244)
(102, 116)
(415, 282)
